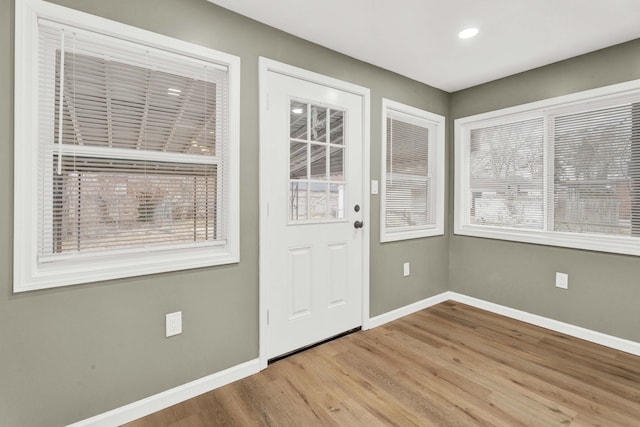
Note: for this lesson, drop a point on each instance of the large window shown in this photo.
(564, 172)
(126, 152)
(412, 192)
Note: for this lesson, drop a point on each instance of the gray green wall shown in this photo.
(70, 353)
(604, 289)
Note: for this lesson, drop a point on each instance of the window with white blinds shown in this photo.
(506, 174)
(594, 172)
(412, 173)
(134, 148)
(563, 172)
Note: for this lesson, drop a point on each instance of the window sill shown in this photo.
(77, 271)
(412, 234)
(592, 242)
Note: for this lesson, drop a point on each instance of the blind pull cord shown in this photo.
(60, 102)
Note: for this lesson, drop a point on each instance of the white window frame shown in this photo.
(576, 102)
(29, 273)
(435, 123)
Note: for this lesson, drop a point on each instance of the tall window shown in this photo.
(412, 196)
(563, 172)
(134, 155)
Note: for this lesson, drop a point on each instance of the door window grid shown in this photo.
(316, 163)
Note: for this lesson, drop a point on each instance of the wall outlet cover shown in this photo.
(562, 280)
(174, 323)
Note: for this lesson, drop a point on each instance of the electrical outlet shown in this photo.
(407, 269)
(174, 323)
(562, 280)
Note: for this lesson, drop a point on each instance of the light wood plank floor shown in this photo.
(448, 365)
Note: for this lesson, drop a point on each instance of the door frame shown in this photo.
(266, 66)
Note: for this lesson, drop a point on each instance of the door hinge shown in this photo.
(267, 317)
(267, 102)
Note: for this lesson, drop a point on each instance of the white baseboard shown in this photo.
(170, 397)
(187, 391)
(406, 310)
(621, 344)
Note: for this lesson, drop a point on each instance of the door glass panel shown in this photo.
(318, 123)
(318, 162)
(317, 201)
(336, 165)
(298, 120)
(316, 183)
(336, 201)
(336, 124)
(297, 201)
(298, 160)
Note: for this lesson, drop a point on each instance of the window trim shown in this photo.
(436, 123)
(584, 100)
(28, 273)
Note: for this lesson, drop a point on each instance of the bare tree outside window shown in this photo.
(506, 168)
(562, 171)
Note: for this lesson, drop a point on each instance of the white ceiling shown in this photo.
(418, 38)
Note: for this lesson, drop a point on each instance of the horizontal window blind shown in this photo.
(133, 145)
(597, 171)
(101, 204)
(563, 171)
(408, 191)
(506, 174)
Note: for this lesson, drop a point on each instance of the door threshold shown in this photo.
(310, 346)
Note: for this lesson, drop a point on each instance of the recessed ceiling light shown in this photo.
(296, 110)
(468, 33)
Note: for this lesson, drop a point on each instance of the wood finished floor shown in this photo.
(448, 365)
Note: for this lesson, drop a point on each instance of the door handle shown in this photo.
(358, 224)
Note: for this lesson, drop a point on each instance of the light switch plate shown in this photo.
(374, 186)
(407, 269)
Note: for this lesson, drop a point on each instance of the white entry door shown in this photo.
(312, 248)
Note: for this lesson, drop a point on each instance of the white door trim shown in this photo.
(268, 65)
